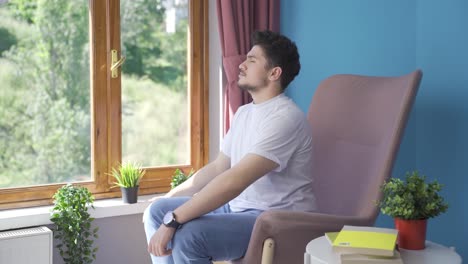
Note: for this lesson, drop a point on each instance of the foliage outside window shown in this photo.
(45, 101)
(154, 80)
(55, 128)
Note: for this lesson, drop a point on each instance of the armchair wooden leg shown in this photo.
(268, 251)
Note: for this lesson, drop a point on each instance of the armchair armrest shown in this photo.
(291, 232)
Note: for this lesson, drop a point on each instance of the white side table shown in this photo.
(319, 251)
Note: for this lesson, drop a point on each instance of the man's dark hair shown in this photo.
(279, 51)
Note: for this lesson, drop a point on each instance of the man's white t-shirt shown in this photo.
(277, 130)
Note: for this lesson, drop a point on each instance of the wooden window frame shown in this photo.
(106, 109)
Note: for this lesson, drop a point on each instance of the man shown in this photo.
(264, 163)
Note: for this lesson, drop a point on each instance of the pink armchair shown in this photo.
(357, 126)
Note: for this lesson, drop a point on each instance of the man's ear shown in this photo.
(275, 74)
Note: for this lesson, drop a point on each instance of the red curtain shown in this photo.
(237, 19)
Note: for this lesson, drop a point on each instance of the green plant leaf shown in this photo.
(73, 223)
(128, 175)
(179, 177)
(413, 198)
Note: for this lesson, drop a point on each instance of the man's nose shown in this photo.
(242, 66)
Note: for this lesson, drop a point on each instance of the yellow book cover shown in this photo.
(331, 236)
(366, 240)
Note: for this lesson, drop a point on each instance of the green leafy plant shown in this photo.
(412, 199)
(73, 224)
(128, 175)
(179, 177)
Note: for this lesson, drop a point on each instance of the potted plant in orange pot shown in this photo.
(411, 202)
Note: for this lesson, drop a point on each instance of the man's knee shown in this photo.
(190, 239)
(147, 218)
(159, 207)
(156, 210)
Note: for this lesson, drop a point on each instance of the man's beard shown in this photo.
(248, 88)
(251, 88)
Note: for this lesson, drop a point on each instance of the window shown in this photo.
(63, 118)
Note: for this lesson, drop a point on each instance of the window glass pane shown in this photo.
(44, 92)
(155, 121)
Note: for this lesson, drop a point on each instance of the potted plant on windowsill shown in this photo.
(179, 177)
(128, 178)
(411, 203)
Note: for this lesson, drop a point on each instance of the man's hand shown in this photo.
(158, 242)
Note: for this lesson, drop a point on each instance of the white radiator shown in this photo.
(26, 246)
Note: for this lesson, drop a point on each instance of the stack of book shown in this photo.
(366, 245)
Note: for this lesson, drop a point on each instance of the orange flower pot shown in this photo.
(411, 233)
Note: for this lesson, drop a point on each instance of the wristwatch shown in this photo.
(169, 220)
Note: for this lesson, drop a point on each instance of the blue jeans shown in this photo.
(216, 236)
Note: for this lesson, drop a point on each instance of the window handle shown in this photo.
(116, 63)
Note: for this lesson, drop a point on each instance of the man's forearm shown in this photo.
(199, 180)
(215, 194)
(225, 187)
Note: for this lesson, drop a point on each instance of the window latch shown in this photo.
(116, 63)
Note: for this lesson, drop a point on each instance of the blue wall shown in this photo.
(380, 37)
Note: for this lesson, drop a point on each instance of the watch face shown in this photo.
(168, 217)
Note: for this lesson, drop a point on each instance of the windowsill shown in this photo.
(35, 216)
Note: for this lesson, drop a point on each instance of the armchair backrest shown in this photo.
(357, 126)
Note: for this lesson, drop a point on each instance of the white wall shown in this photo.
(216, 83)
(121, 241)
